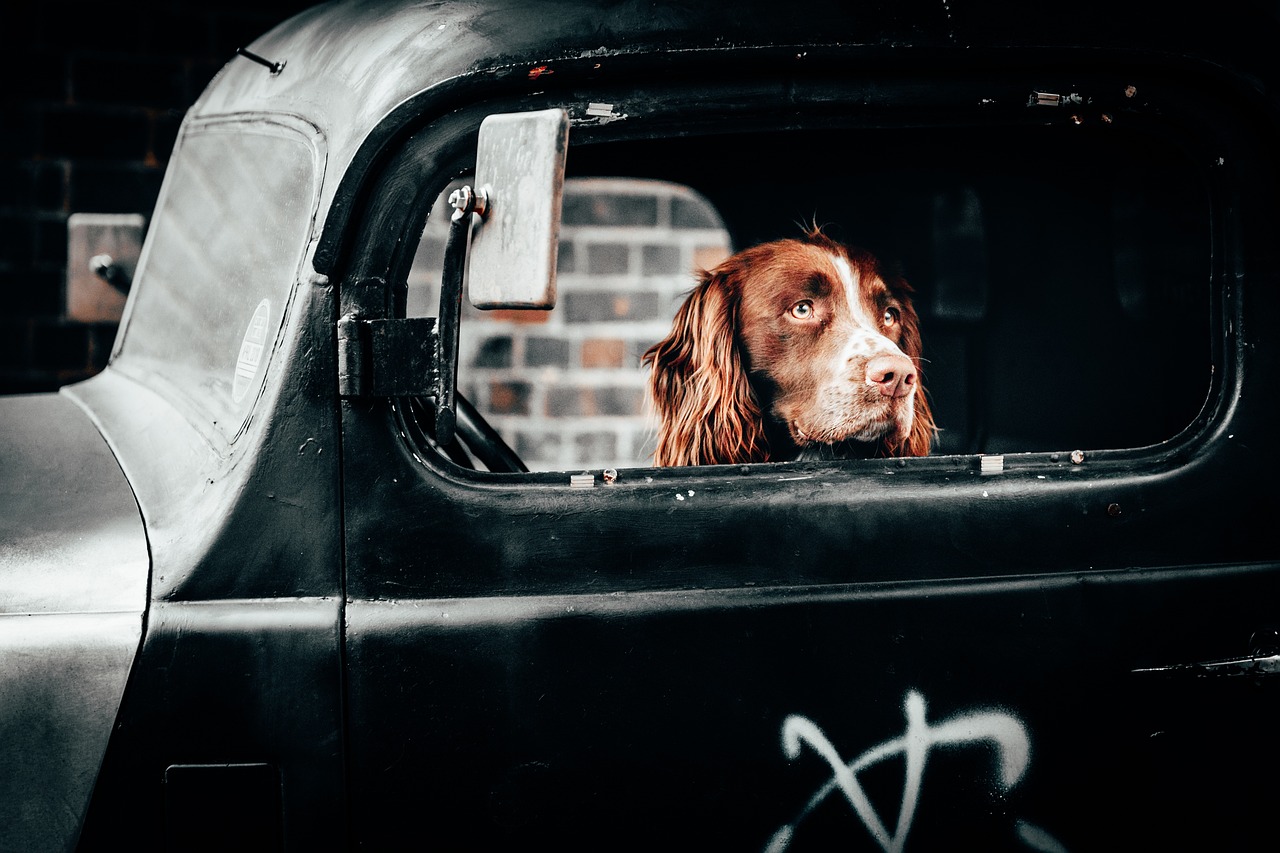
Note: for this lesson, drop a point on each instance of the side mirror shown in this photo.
(519, 185)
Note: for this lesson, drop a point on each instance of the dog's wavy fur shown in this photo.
(709, 409)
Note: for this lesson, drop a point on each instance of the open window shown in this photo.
(1062, 271)
(565, 387)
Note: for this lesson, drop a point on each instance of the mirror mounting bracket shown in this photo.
(520, 177)
(415, 356)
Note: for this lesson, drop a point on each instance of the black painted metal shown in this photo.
(427, 654)
(451, 287)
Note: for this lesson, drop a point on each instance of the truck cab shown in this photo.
(284, 577)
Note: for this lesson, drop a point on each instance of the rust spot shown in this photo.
(538, 70)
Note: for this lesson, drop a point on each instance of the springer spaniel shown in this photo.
(798, 348)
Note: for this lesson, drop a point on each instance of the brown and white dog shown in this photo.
(797, 348)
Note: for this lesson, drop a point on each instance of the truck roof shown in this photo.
(361, 72)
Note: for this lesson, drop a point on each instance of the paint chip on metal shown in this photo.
(582, 481)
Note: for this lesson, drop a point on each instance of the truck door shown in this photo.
(1015, 643)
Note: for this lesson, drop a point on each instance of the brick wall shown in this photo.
(565, 387)
(91, 102)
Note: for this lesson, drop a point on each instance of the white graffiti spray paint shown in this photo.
(1006, 732)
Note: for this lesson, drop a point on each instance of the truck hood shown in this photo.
(71, 535)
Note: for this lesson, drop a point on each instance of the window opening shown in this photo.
(1062, 276)
(565, 388)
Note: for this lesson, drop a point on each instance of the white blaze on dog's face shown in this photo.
(834, 341)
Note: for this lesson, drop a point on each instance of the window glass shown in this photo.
(218, 269)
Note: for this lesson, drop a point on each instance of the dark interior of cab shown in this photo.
(1062, 273)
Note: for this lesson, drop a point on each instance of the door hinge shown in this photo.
(388, 357)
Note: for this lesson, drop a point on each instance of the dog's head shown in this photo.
(791, 347)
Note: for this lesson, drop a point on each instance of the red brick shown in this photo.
(603, 352)
(509, 398)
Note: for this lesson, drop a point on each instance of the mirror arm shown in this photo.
(465, 203)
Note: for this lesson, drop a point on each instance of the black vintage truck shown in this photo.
(271, 581)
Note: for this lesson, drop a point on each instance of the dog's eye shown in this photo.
(890, 317)
(802, 310)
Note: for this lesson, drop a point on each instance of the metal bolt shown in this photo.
(465, 200)
(462, 199)
(610, 475)
(1077, 456)
(1130, 91)
(274, 67)
(1113, 510)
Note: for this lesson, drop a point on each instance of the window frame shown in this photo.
(224, 428)
(442, 151)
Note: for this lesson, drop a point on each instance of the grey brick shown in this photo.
(595, 446)
(605, 209)
(566, 259)
(546, 352)
(603, 306)
(608, 258)
(688, 213)
(660, 260)
(538, 447)
(494, 352)
(619, 401)
(567, 402)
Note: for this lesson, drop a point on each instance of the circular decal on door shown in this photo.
(251, 350)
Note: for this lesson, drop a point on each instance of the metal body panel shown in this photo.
(71, 539)
(656, 720)
(766, 656)
(277, 481)
(230, 684)
(240, 662)
(61, 686)
(73, 590)
(809, 655)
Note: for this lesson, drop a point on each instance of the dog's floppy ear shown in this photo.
(923, 429)
(707, 412)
